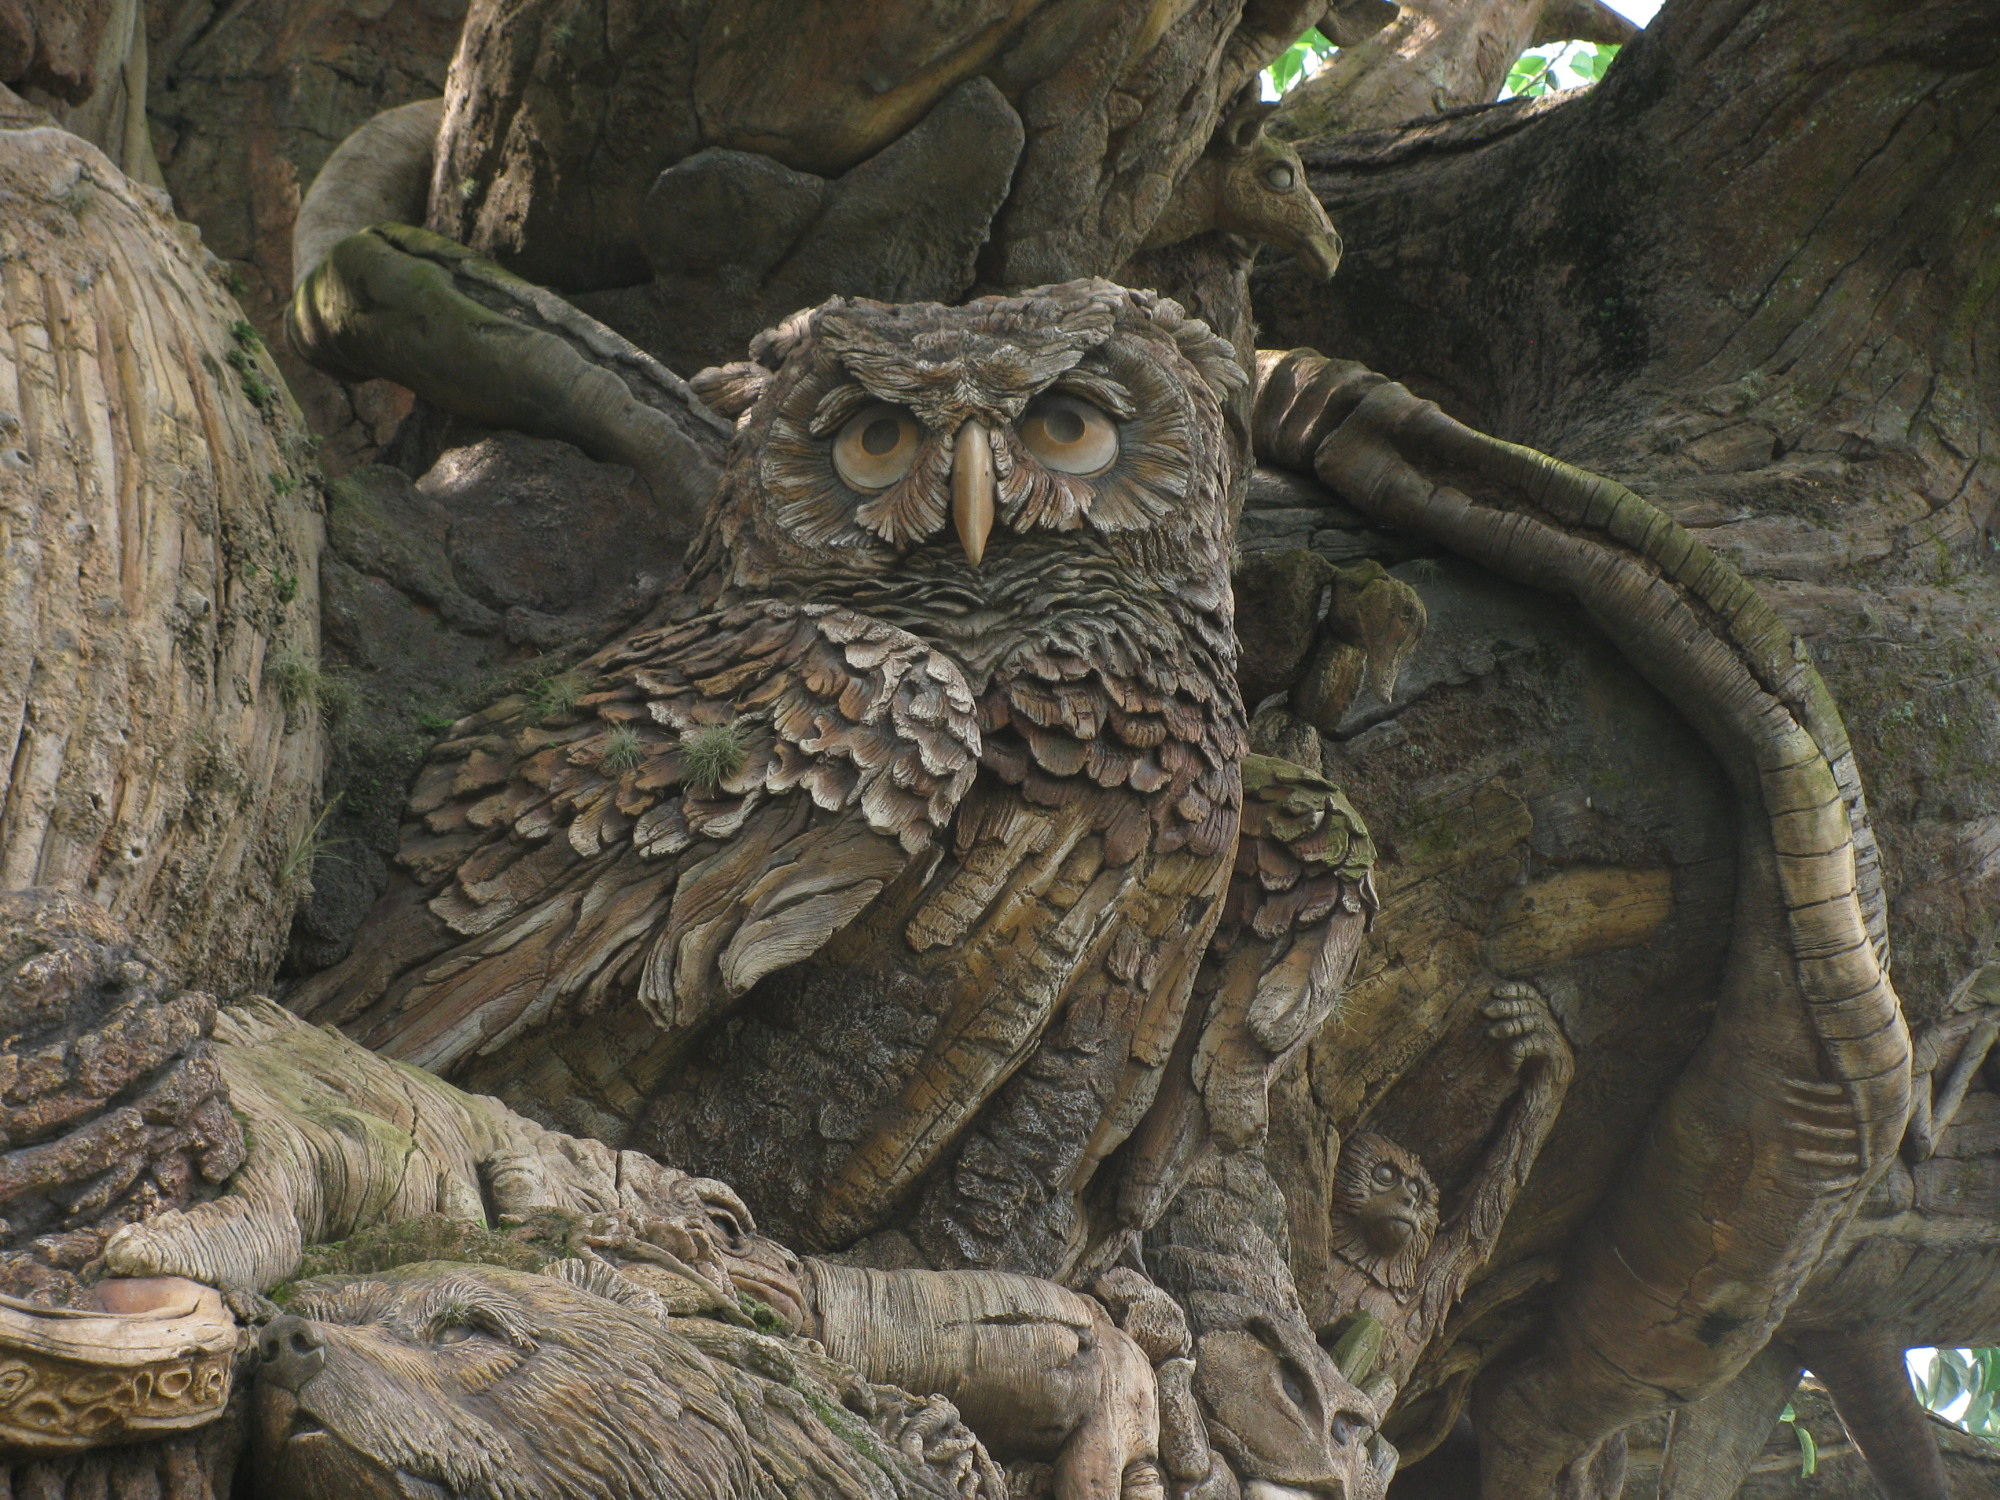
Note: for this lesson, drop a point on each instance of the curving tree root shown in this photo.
(1797, 1099)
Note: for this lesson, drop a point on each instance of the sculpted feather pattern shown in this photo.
(935, 606)
(721, 796)
(1301, 895)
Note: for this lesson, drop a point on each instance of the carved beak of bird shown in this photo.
(972, 488)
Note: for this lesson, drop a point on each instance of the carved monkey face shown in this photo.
(885, 445)
(1385, 1209)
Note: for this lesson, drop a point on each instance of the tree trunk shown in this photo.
(247, 101)
(1437, 55)
(1750, 275)
(159, 688)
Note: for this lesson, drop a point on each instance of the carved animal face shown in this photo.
(441, 1381)
(1285, 1417)
(1385, 1210)
(962, 470)
(1262, 192)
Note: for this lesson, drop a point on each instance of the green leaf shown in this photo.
(1808, 1451)
(1289, 66)
(1596, 60)
(1978, 1411)
(1945, 1384)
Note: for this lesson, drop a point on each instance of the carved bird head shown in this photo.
(1073, 436)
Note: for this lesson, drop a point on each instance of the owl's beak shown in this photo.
(972, 489)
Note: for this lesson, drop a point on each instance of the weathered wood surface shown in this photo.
(159, 591)
(1119, 98)
(1434, 55)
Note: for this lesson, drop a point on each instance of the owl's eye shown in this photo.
(1069, 435)
(877, 446)
(1279, 177)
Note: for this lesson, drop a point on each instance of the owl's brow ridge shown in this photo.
(837, 405)
(1099, 387)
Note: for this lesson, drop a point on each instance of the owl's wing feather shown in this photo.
(717, 801)
(1300, 896)
(1085, 873)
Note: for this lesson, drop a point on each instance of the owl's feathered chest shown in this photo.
(1086, 679)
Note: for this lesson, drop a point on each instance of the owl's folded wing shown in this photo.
(1300, 896)
(689, 811)
(1302, 891)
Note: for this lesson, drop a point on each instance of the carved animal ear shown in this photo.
(731, 390)
(1240, 128)
(601, 1280)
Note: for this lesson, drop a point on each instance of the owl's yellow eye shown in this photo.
(877, 446)
(1069, 435)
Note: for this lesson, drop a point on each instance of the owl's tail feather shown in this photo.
(1799, 1095)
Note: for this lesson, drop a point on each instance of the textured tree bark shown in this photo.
(1119, 100)
(1437, 55)
(159, 625)
(1750, 276)
(246, 101)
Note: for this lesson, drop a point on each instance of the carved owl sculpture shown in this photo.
(878, 886)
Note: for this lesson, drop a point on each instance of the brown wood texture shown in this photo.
(1774, 332)
(1433, 56)
(159, 730)
(1119, 99)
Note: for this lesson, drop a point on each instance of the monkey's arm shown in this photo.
(1534, 1044)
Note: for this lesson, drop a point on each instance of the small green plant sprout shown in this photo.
(622, 751)
(245, 333)
(556, 694)
(1426, 570)
(302, 683)
(711, 755)
(432, 722)
(259, 391)
(468, 187)
(1808, 1444)
(307, 850)
(282, 483)
(287, 585)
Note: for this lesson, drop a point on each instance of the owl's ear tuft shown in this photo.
(731, 390)
(774, 346)
(1213, 356)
